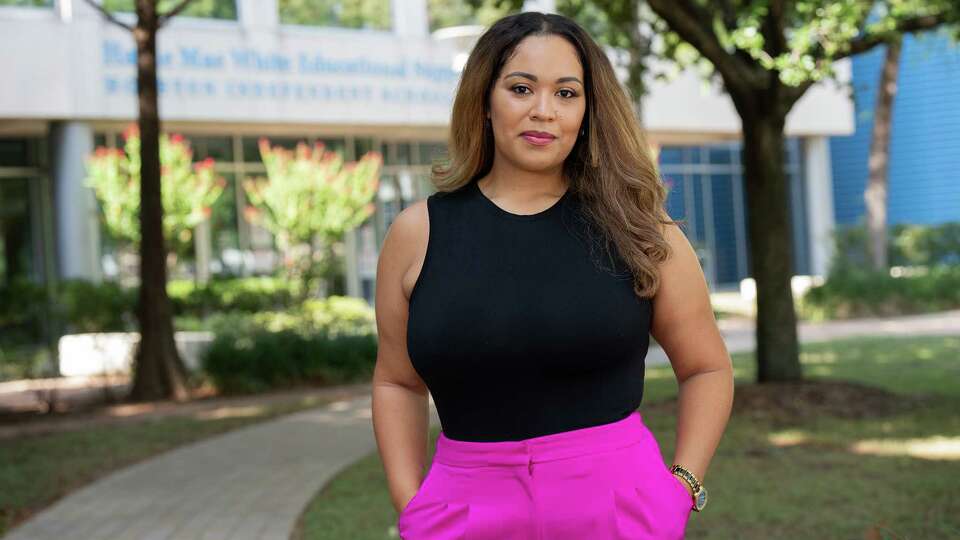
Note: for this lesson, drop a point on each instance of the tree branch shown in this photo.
(790, 94)
(164, 18)
(904, 26)
(109, 16)
(774, 35)
(729, 15)
(694, 25)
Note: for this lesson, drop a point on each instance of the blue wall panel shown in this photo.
(924, 172)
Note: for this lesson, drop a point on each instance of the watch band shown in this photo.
(699, 492)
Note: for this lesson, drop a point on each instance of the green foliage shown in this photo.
(926, 275)
(85, 307)
(80, 306)
(27, 3)
(907, 245)
(369, 14)
(335, 315)
(210, 9)
(309, 194)
(21, 304)
(265, 360)
(310, 191)
(188, 189)
(245, 295)
(77, 306)
(326, 341)
(868, 293)
(925, 245)
(800, 47)
(445, 13)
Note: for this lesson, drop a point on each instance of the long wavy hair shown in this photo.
(611, 167)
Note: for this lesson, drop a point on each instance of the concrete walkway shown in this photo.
(254, 482)
(739, 334)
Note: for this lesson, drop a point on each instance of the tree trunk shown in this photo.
(158, 371)
(875, 196)
(771, 247)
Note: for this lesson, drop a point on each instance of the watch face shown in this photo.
(701, 499)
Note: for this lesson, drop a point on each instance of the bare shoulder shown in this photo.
(405, 243)
(401, 250)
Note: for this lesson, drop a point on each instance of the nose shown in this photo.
(543, 107)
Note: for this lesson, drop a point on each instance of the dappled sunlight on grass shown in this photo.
(659, 373)
(788, 438)
(824, 357)
(133, 409)
(936, 447)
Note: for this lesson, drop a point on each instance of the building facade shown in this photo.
(228, 80)
(924, 182)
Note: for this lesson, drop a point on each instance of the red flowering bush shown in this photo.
(188, 189)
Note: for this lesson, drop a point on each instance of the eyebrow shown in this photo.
(534, 77)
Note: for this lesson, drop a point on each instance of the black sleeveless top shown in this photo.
(521, 325)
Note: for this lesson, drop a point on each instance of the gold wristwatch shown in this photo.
(699, 492)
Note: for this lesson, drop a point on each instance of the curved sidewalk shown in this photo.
(248, 484)
(253, 483)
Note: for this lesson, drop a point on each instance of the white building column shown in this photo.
(410, 18)
(820, 214)
(76, 222)
(258, 14)
(545, 6)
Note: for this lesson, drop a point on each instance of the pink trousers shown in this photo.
(606, 482)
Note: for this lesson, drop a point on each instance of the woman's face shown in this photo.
(539, 89)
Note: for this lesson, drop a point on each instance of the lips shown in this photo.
(538, 137)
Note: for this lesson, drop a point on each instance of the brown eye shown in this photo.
(520, 86)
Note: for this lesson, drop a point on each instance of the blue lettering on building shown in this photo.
(193, 57)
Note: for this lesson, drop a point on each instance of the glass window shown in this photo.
(223, 219)
(337, 145)
(99, 140)
(671, 155)
(720, 155)
(386, 152)
(251, 148)
(14, 152)
(366, 14)
(16, 247)
(361, 146)
(207, 9)
(389, 198)
(218, 148)
(430, 151)
(403, 153)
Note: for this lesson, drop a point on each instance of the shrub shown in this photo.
(328, 341)
(907, 245)
(248, 295)
(84, 306)
(868, 293)
(253, 362)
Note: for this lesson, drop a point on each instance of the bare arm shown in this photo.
(684, 325)
(400, 397)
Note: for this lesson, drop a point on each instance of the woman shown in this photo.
(493, 295)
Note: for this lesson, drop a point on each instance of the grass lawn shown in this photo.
(36, 470)
(867, 448)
